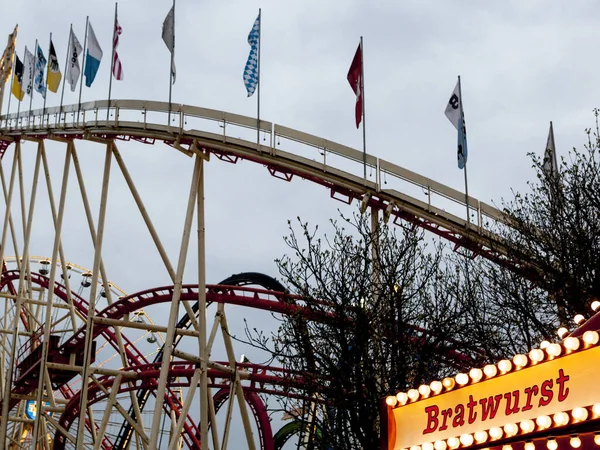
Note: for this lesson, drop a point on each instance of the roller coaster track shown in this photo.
(131, 123)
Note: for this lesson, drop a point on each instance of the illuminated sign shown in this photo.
(527, 399)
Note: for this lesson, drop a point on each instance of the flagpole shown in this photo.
(258, 96)
(47, 75)
(112, 64)
(32, 81)
(171, 66)
(362, 93)
(64, 79)
(462, 116)
(87, 21)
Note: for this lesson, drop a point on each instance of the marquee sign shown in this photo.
(551, 387)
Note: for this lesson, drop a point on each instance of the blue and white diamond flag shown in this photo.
(40, 65)
(251, 69)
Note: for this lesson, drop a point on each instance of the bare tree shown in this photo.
(388, 323)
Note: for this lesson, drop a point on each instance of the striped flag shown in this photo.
(6, 61)
(117, 67)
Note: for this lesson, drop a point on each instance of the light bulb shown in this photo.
(504, 366)
(413, 394)
(466, 439)
(402, 397)
(578, 319)
(529, 445)
(520, 361)
(590, 337)
(543, 422)
(536, 355)
(415, 447)
(424, 390)
(595, 305)
(453, 443)
(490, 370)
(552, 444)
(579, 414)
(481, 436)
(597, 437)
(496, 433)
(391, 401)
(561, 419)
(544, 344)
(448, 383)
(462, 379)
(427, 446)
(511, 429)
(596, 410)
(440, 445)
(571, 343)
(575, 442)
(476, 374)
(507, 447)
(562, 332)
(554, 350)
(527, 426)
(436, 386)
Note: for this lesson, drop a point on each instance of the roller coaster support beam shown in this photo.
(174, 310)
(92, 302)
(21, 294)
(55, 252)
(204, 353)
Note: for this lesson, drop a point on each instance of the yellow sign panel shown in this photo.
(543, 389)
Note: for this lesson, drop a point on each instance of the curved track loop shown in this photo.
(134, 357)
(180, 375)
(131, 122)
(242, 279)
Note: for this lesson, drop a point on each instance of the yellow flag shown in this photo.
(17, 89)
(54, 75)
(6, 61)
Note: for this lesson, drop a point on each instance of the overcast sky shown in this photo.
(522, 64)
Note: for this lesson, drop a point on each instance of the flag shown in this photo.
(117, 67)
(40, 65)
(168, 35)
(17, 82)
(28, 71)
(251, 69)
(92, 57)
(6, 62)
(455, 115)
(550, 166)
(356, 83)
(73, 70)
(54, 75)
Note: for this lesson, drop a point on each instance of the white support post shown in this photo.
(174, 310)
(20, 296)
(57, 242)
(92, 301)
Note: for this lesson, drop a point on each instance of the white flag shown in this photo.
(168, 35)
(28, 71)
(73, 70)
(550, 166)
(453, 109)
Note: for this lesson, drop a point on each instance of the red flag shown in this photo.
(355, 80)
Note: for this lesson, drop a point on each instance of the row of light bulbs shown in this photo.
(512, 429)
(547, 351)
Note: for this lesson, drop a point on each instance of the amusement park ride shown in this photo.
(63, 324)
(83, 364)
